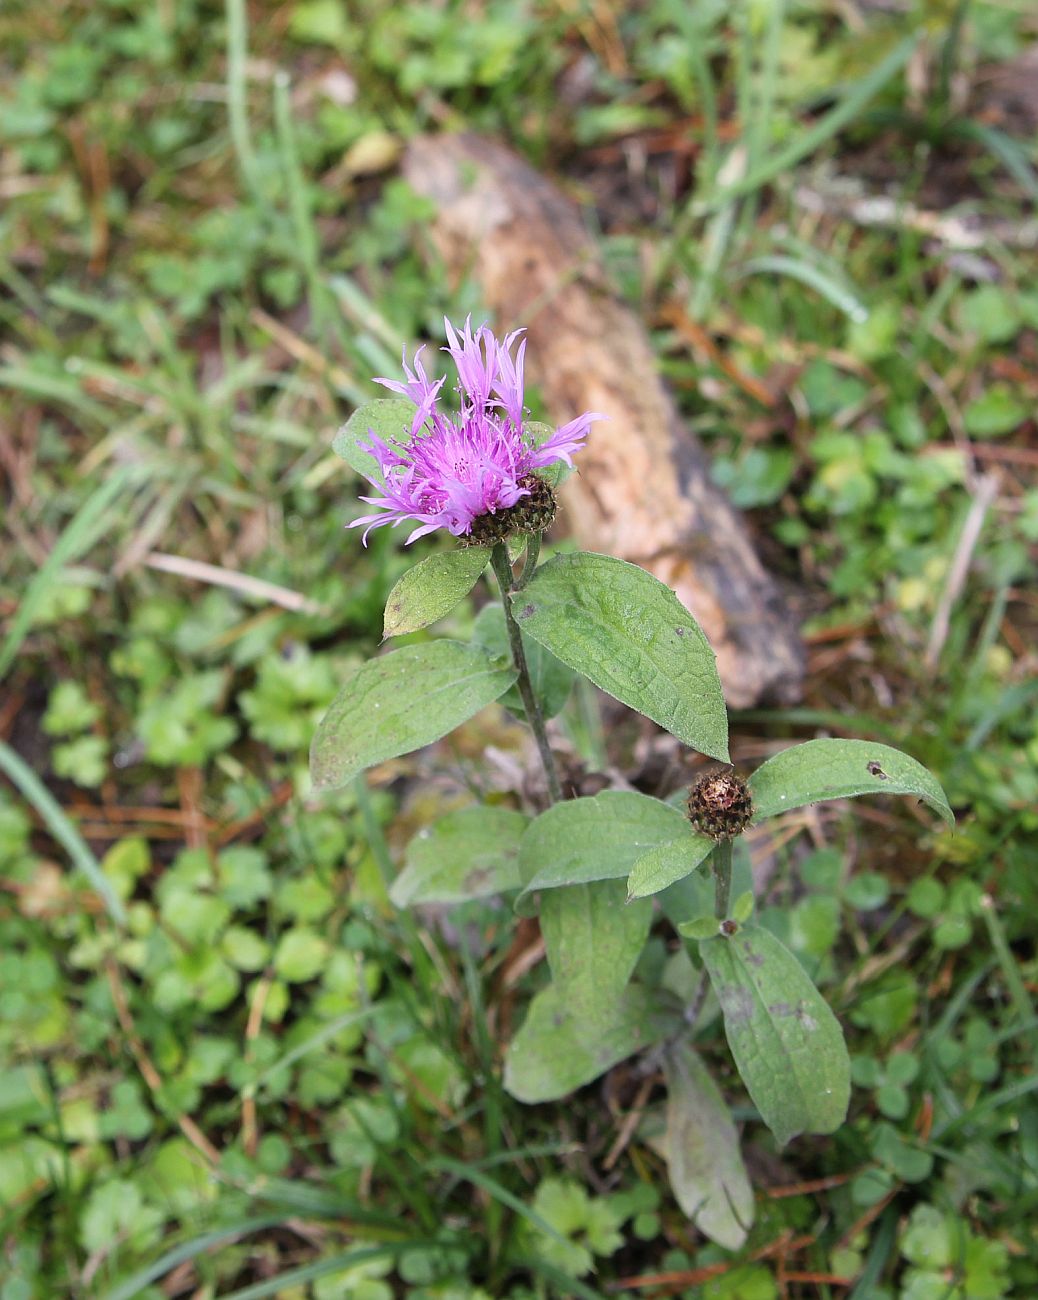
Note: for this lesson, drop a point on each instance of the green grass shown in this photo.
(249, 1072)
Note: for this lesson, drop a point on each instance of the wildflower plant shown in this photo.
(593, 868)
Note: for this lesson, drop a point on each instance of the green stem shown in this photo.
(721, 866)
(503, 573)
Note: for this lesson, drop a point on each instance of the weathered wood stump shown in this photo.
(643, 491)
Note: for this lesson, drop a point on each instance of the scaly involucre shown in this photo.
(453, 469)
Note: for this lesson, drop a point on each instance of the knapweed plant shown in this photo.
(592, 866)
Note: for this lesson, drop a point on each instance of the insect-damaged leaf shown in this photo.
(433, 588)
(787, 1044)
(701, 1146)
(631, 636)
(402, 701)
(467, 854)
(838, 769)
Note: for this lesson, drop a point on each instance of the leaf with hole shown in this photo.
(630, 635)
(400, 702)
(787, 1044)
(840, 769)
(433, 588)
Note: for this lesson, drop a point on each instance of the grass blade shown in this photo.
(840, 297)
(59, 825)
(189, 1250)
(828, 126)
(83, 529)
(237, 93)
(468, 1174)
(319, 1268)
(1006, 150)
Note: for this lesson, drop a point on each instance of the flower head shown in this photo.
(454, 470)
(720, 804)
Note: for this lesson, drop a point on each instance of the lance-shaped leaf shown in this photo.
(587, 1019)
(787, 1044)
(838, 769)
(597, 838)
(433, 588)
(593, 939)
(631, 636)
(550, 678)
(668, 862)
(701, 1146)
(400, 702)
(558, 1049)
(389, 417)
(472, 853)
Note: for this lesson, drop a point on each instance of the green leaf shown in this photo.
(702, 1151)
(667, 862)
(400, 702)
(593, 939)
(904, 1160)
(468, 854)
(432, 589)
(700, 927)
(115, 1212)
(389, 417)
(597, 838)
(587, 1020)
(301, 955)
(787, 1044)
(838, 769)
(995, 412)
(550, 678)
(539, 433)
(557, 1051)
(631, 636)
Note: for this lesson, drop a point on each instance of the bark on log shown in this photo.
(643, 491)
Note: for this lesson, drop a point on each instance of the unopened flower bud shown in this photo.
(719, 805)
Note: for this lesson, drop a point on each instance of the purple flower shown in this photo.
(453, 469)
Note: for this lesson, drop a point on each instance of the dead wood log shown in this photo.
(644, 491)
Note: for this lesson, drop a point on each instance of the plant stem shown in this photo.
(721, 866)
(503, 572)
